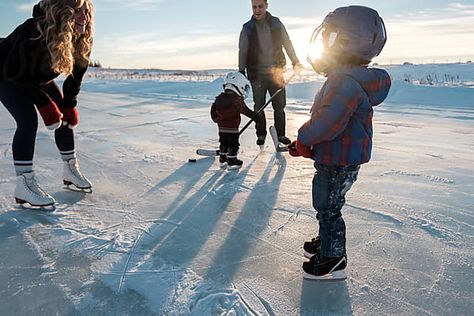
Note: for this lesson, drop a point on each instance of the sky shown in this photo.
(190, 34)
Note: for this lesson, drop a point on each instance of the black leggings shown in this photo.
(20, 105)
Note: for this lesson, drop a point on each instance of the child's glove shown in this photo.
(51, 115)
(297, 149)
(71, 117)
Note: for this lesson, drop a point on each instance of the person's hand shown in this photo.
(297, 149)
(298, 68)
(70, 116)
(51, 115)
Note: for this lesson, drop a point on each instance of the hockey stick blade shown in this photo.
(207, 152)
(281, 149)
(278, 147)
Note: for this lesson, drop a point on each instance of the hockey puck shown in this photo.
(191, 160)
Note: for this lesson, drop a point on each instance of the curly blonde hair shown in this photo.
(66, 48)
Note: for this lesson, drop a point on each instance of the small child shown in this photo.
(225, 111)
(338, 136)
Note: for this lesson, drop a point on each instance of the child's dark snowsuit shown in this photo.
(225, 111)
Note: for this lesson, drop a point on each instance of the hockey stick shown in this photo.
(215, 152)
(268, 101)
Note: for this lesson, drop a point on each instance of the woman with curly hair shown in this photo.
(56, 40)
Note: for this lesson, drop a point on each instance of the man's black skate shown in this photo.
(320, 267)
(234, 163)
(284, 140)
(312, 247)
(261, 140)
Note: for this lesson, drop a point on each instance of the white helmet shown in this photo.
(237, 82)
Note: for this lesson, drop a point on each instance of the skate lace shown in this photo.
(75, 170)
(33, 187)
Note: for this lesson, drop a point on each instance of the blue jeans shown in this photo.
(330, 185)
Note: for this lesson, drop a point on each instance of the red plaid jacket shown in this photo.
(340, 127)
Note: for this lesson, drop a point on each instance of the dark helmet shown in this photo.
(353, 32)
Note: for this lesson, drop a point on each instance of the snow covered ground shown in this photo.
(163, 236)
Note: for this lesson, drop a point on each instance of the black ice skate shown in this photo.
(312, 247)
(261, 140)
(234, 163)
(223, 160)
(284, 140)
(325, 268)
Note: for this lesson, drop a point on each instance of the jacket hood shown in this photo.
(374, 81)
(38, 10)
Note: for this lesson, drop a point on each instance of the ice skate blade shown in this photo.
(28, 206)
(223, 165)
(282, 148)
(334, 276)
(308, 255)
(233, 167)
(72, 187)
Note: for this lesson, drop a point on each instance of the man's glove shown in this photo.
(70, 116)
(298, 68)
(297, 148)
(51, 115)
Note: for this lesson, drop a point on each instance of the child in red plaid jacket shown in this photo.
(338, 136)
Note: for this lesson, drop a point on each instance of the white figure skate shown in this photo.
(28, 191)
(74, 179)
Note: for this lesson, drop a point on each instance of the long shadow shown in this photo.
(188, 174)
(251, 223)
(185, 241)
(325, 298)
(178, 236)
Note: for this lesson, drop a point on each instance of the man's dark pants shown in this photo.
(271, 83)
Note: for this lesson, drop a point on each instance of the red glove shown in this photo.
(51, 115)
(71, 116)
(297, 148)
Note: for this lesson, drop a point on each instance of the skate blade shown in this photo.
(233, 167)
(308, 255)
(223, 165)
(28, 206)
(335, 276)
(72, 187)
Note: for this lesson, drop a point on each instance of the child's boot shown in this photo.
(223, 160)
(232, 161)
(320, 267)
(312, 247)
(223, 155)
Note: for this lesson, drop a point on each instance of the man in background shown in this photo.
(261, 44)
